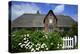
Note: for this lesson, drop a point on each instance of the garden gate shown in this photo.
(69, 42)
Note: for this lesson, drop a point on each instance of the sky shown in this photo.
(18, 8)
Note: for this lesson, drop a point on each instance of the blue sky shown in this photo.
(18, 8)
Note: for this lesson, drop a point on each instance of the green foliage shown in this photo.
(63, 34)
(17, 37)
(54, 41)
(74, 29)
(46, 41)
(37, 37)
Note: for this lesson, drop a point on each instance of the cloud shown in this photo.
(59, 9)
(75, 17)
(19, 9)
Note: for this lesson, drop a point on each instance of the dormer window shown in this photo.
(50, 21)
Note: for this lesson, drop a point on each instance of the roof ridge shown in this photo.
(32, 14)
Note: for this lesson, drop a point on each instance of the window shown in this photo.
(50, 21)
(50, 28)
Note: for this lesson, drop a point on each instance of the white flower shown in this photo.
(24, 39)
(32, 44)
(42, 46)
(38, 44)
(43, 36)
(27, 35)
(32, 49)
(45, 45)
(51, 43)
(26, 47)
(19, 43)
(37, 48)
(24, 35)
(46, 48)
(58, 47)
(46, 36)
(22, 45)
(27, 40)
(58, 44)
(27, 43)
(41, 51)
(13, 35)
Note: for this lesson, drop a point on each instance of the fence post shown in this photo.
(72, 42)
(75, 39)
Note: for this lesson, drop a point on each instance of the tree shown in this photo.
(74, 29)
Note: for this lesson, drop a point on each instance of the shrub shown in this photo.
(54, 41)
(16, 38)
(38, 37)
(28, 41)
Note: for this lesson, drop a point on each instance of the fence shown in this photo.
(69, 42)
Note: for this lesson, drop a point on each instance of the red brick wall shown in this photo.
(46, 27)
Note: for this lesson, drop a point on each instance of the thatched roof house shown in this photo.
(42, 21)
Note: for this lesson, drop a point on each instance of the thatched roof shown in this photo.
(36, 20)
